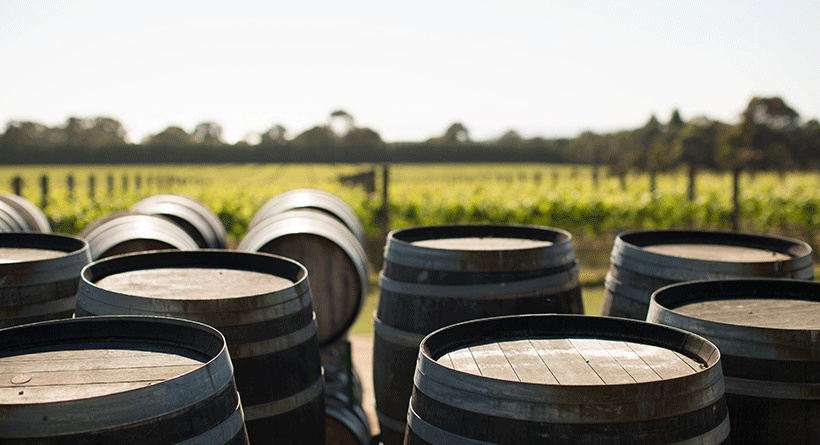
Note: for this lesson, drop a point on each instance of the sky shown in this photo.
(407, 70)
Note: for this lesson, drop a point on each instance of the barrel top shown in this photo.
(76, 371)
(570, 361)
(717, 252)
(16, 255)
(193, 283)
(777, 313)
(483, 243)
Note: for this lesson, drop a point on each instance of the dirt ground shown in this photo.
(361, 346)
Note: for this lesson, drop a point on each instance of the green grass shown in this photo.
(591, 295)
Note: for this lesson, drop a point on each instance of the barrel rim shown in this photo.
(630, 244)
(13, 219)
(313, 198)
(77, 255)
(35, 219)
(684, 342)
(202, 258)
(665, 300)
(140, 226)
(400, 247)
(206, 221)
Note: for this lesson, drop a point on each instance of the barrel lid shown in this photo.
(205, 281)
(480, 247)
(685, 255)
(771, 318)
(552, 359)
(336, 262)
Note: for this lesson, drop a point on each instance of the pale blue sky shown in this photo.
(407, 70)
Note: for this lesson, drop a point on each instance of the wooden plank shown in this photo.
(463, 361)
(483, 244)
(600, 360)
(192, 283)
(565, 362)
(629, 361)
(49, 394)
(16, 255)
(665, 362)
(717, 252)
(526, 362)
(492, 362)
(446, 361)
(774, 313)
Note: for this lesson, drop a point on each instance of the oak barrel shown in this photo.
(768, 333)
(644, 261)
(566, 379)
(435, 276)
(345, 420)
(10, 220)
(129, 232)
(39, 276)
(117, 380)
(314, 199)
(194, 217)
(336, 263)
(34, 218)
(262, 305)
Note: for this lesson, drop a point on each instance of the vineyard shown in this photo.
(566, 197)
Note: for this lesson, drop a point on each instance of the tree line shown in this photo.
(768, 136)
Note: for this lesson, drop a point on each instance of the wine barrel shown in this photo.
(336, 263)
(117, 380)
(34, 218)
(644, 261)
(194, 217)
(39, 276)
(128, 232)
(435, 276)
(262, 305)
(345, 420)
(10, 220)
(768, 333)
(566, 379)
(318, 200)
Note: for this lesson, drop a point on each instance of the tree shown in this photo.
(765, 136)
(362, 137)
(456, 134)
(318, 136)
(694, 146)
(172, 136)
(276, 135)
(208, 133)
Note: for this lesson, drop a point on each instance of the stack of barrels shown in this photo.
(177, 339)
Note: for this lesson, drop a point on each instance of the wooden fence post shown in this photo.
(69, 182)
(110, 185)
(17, 185)
(735, 215)
(91, 186)
(385, 213)
(44, 189)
